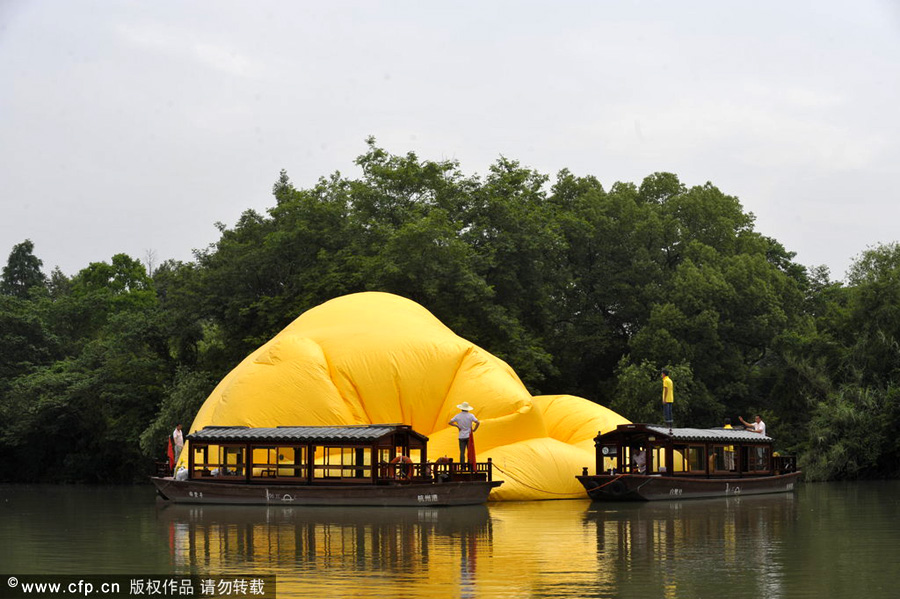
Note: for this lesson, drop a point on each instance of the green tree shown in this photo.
(82, 306)
(851, 434)
(873, 319)
(80, 418)
(717, 302)
(22, 272)
(25, 341)
(182, 399)
(850, 367)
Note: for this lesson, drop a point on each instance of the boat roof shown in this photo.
(359, 434)
(725, 435)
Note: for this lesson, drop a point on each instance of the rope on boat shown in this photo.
(641, 486)
(609, 482)
(524, 484)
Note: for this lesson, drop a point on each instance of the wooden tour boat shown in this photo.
(385, 465)
(643, 462)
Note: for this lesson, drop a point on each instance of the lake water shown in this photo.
(825, 540)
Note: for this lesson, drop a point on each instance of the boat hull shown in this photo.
(642, 487)
(424, 494)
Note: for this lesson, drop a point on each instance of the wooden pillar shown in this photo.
(670, 460)
(248, 459)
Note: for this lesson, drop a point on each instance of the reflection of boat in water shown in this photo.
(385, 465)
(750, 506)
(727, 539)
(376, 539)
(645, 463)
(451, 518)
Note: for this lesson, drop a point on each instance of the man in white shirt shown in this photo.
(757, 427)
(466, 422)
(177, 441)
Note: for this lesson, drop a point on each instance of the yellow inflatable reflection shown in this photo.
(509, 549)
(379, 358)
(468, 551)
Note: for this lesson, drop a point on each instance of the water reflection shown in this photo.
(691, 548)
(321, 545)
(545, 549)
(827, 540)
(72, 529)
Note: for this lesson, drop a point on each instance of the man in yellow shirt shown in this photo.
(668, 397)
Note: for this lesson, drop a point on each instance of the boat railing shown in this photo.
(440, 471)
(784, 464)
(463, 470)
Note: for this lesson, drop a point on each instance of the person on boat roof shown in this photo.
(757, 427)
(668, 397)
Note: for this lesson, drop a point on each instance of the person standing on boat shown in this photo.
(729, 449)
(668, 397)
(178, 441)
(467, 424)
(757, 427)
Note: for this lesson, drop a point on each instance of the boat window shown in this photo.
(218, 461)
(608, 457)
(278, 461)
(690, 458)
(345, 462)
(756, 457)
(658, 459)
(696, 458)
(200, 453)
(609, 463)
(263, 457)
(722, 458)
(636, 459)
(332, 462)
(363, 462)
(233, 461)
(292, 461)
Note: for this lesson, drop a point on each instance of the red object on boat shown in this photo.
(171, 454)
(470, 451)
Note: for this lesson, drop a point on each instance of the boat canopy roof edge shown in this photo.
(345, 435)
(705, 435)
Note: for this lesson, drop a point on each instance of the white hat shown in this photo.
(465, 407)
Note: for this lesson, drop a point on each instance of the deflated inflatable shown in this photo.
(379, 358)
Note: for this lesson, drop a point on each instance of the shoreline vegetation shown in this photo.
(582, 289)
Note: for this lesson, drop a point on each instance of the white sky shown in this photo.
(132, 126)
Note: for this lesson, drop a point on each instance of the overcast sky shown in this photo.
(135, 126)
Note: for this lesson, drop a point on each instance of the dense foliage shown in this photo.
(582, 289)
